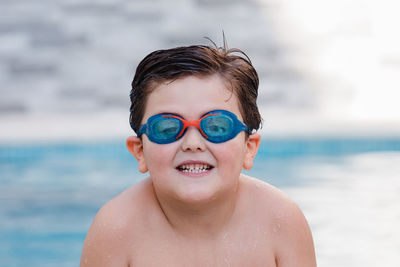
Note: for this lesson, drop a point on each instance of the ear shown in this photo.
(135, 147)
(253, 142)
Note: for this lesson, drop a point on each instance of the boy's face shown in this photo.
(220, 163)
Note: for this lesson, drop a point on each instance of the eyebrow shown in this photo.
(179, 115)
(169, 113)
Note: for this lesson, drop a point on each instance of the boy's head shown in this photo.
(232, 65)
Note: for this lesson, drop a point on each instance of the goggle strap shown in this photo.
(142, 129)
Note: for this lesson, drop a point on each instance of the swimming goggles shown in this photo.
(216, 126)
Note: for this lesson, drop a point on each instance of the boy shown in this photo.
(195, 114)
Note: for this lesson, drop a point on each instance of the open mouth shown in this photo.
(194, 168)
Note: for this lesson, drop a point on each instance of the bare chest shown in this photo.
(225, 252)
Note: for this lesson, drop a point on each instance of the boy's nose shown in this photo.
(193, 140)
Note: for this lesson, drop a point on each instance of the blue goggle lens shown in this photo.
(217, 126)
(165, 128)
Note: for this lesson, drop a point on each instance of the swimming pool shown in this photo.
(349, 190)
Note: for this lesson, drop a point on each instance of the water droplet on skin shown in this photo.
(255, 244)
(227, 261)
(225, 235)
(277, 228)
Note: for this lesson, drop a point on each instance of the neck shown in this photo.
(200, 220)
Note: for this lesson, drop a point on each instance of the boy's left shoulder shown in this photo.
(285, 221)
(271, 203)
(266, 196)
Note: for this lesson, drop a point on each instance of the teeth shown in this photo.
(194, 168)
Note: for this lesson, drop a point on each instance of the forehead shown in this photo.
(191, 97)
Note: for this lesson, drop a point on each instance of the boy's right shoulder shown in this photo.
(117, 225)
(130, 206)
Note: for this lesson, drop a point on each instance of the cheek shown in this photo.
(232, 156)
(158, 157)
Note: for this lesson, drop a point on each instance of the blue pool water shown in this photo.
(50, 193)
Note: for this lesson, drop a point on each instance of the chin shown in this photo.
(196, 195)
(207, 195)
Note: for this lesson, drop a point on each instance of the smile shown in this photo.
(194, 168)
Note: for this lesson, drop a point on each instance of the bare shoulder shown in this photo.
(115, 225)
(288, 228)
(268, 197)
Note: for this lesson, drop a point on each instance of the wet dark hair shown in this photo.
(233, 65)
